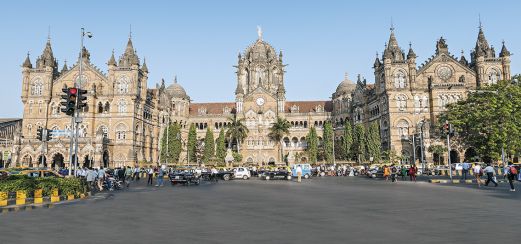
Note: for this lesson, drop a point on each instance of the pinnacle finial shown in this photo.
(346, 77)
(175, 79)
(410, 44)
(479, 19)
(259, 32)
(392, 25)
(130, 32)
(49, 33)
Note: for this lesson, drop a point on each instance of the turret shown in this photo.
(27, 63)
(463, 60)
(144, 67)
(505, 61)
(411, 64)
(64, 68)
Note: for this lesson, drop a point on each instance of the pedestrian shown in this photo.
(128, 174)
(478, 173)
(150, 173)
(412, 173)
(465, 170)
(136, 174)
(511, 175)
(299, 173)
(403, 172)
(160, 173)
(387, 172)
(101, 178)
(91, 177)
(489, 170)
(394, 171)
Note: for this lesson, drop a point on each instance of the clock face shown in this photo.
(260, 101)
(444, 73)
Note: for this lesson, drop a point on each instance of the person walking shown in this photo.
(511, 175)
(465, 170)
(387, 172)
(489, 170)
(128, 175)
(91, 177)
(150, 173)
(394, 171)
(101, 178)
(478, 173)
(412, 173)
(299, 173)
(160, 173)
(403, 172)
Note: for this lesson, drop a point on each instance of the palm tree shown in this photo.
(237, 130)
(278, 129)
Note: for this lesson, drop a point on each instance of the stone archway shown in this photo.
(87, 161)
(27, 161)
(454, 157)
(271, 161)
(57, 161)
(39, 162)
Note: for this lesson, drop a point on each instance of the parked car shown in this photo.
(185, 177)
(242, 173)
(280, 174)
(40, 173)
(3, 174)
(306, 170)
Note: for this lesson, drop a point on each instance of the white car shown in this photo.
(242, 173)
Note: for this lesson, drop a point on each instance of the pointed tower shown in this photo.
(65, 68)
(505, 61)
(394, 73)
(463, 60)
(411, 64)
(129, 57)
(27, 63)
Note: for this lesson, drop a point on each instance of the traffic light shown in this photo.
(451, 130)
(446, 128)
(69, 100)
(49, 136)
(82, 98)
(39, 134)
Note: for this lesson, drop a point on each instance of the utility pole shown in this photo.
(447, 129)
(413, 149)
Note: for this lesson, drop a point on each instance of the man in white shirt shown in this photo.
(489, 170)
(299, 173)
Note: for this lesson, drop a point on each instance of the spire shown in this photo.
(175, 79)
(112, 60)
(462, 59)
(377, 62)
(162, 87)
(86, 54)
(129, 57)
(393, 50)
(64, 68)
(411, 53)
(27, 63)
(144, 68)
(481, 43)
(47, 57)
(504, 51)
(280, 56)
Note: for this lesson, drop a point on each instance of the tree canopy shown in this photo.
(278, 130)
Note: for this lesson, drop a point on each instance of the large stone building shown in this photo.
(124, 120)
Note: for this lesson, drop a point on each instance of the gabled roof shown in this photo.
(308, 106)
(211, 108)
(436, 58)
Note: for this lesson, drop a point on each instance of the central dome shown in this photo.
(346, 86)
(176, 90)
(260, 50)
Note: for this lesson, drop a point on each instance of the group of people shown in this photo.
(511, 173)
(392, 172)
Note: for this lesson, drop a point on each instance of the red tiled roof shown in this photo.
(211, 108)
(309, 106)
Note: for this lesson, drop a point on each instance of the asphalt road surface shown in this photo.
(320, 210)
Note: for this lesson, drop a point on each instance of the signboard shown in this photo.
(5, 155)
(60, 133)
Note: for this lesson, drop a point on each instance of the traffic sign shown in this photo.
(5, 155)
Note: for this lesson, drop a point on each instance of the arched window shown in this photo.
(105, 131)
(100, 107)
(122, 106)
(122, 85)
(401, 102)
(121, 132)
(286, 142)
(399, 79)
(403, 129)
(37, 87)
(54, 108)
(30, 129)
(107, 107)
(493, 76)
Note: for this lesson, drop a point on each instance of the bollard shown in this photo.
(20, 197)
(55, 197)
(70, 197)
(3, 199)
(38, 196)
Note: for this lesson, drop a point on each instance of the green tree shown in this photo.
(209, 146)
(347, 142)
(438, 150)
(278, 130)
(359, 143)
(488, 120)
(374, 145)
(171, 144)
(192, 143)
(237, 131)
(312, 141)
(221, 147)
(328, 141)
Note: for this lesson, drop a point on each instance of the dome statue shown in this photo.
(176, 91)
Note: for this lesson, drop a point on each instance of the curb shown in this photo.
(47, 204)
(459, 181)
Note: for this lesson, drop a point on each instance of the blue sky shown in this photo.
(199, 40)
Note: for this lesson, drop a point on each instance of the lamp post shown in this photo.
(76, 118)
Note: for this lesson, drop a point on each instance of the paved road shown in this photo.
(320, 210)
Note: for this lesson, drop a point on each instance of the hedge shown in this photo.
(66, 186)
